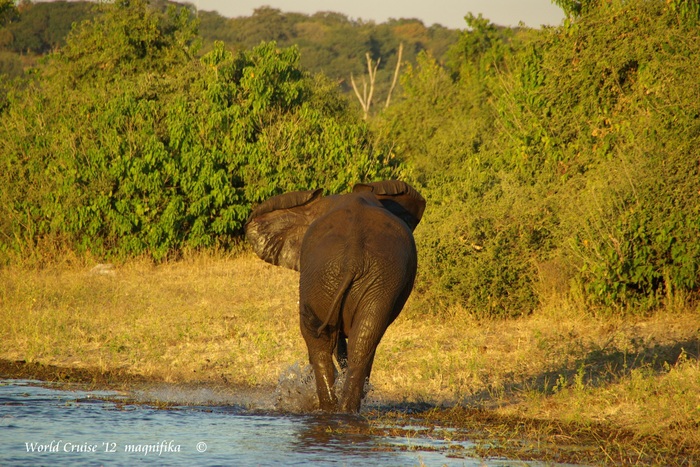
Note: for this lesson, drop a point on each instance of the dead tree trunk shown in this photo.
(366, 97)
(396, 76)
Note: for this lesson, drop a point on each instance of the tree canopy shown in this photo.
(123, 142)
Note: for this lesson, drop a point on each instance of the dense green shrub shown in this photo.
(39, 27)
(124, 144)
(330, 43)
(606, 106)
(559, 160)
(480, 234)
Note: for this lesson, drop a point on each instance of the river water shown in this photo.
(49, 424)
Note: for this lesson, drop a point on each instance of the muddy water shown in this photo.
(45, 424)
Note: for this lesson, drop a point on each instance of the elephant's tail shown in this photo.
(337, 304)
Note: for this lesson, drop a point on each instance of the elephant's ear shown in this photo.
(276, 228)
(398, 197)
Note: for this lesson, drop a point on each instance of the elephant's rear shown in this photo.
(370, 263)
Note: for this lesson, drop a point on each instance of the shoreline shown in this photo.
(493, 435)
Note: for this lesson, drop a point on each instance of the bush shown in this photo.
(125, 144)
(480, 235)
(559, 160)
(623, 128)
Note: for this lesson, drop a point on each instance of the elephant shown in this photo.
(357, 261)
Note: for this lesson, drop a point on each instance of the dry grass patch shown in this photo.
(640, 374)
(200, 319)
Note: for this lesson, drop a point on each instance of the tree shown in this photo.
(368, 93)
(125, 143)
(575, 8)
(8, 11)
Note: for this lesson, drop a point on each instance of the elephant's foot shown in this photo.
(351, 403)
(327, 400)
(353, 392)
(328, 404)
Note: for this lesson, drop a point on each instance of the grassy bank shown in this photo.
(234, 320)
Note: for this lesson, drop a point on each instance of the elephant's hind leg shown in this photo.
(321, 349)
(353, 390)
(324, 371)
(361, 349)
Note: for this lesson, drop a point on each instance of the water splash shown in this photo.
(236, 397)
(296, 389)
(367, 391)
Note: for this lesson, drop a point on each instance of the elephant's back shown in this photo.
(371, 244)
(358, 233)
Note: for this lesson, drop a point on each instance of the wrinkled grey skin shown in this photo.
(357, 262)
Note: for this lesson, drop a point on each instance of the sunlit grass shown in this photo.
(234, 320)
(198, 319)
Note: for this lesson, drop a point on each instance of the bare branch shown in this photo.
(366, 97)
(396, 75)
(372, 76)
(363, 98)
(357, 93)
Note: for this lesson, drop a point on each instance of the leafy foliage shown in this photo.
(329, 43)
(622, 128)
(39, 28)
(559, 161)
(7, 11)
(332, 43)
(172, 153)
